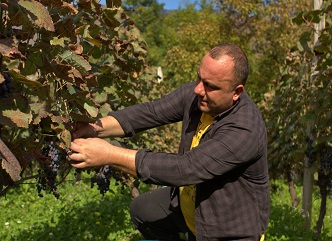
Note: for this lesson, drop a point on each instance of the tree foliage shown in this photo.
(300, 97)
(266, 31)
(300, 112)
(196, 33)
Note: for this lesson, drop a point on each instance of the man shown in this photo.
(216, 187)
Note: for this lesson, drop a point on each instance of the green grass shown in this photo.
(286, 222)
(81, 213)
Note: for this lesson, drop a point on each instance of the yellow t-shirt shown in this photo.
(188, 193)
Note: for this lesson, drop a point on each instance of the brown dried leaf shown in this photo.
(71, 8)
(7, 48)
(65, 136)
(4, 6)
(19, 118)
(40, 112)
(59, 119)
(9, 162)
(38, 13)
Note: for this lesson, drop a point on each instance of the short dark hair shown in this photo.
(241, 63)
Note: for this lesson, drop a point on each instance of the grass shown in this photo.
(286, 222)
(81, 213)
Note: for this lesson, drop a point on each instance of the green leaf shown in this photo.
(314, 16)
(304, 42)
(93, 111)
(100, 97)
(72, 59)
(33, 63)
(111, 17)
(105, 109)
(57, 41)
(298, 20)
(22, 79)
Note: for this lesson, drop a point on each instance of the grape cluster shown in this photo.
(6, 87)
(102, 179)
(54, 154)
(48, 173)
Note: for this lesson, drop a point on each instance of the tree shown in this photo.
(301, 100)
(193, 33)
(266, 31)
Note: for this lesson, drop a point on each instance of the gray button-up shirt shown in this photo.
(229, 166)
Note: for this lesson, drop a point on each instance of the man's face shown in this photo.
(214, 85)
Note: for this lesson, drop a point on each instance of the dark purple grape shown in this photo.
(6, 87)
(101, 178)
(50, 169)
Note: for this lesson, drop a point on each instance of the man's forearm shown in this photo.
(108, 127)
(123, 159)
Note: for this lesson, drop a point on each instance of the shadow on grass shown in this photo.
(97, 220)
(286, 223)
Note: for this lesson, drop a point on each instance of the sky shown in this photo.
(169, 4)
(172, 4)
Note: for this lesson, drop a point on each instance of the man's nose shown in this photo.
(199, 89)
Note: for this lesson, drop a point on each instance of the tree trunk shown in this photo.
(295, 199)
(308, 179)
(292, 192)
(308, 172)
(323, 189)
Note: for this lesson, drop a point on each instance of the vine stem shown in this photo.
(21, 181)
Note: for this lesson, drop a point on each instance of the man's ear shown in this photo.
(238, 91)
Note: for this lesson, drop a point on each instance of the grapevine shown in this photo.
(72, 62)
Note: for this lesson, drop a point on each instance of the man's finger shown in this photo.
(75, 156)
(78, 164)
(75, 145)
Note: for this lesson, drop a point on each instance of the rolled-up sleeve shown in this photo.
(166, 110)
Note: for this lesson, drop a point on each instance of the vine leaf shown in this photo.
(7, 48)
(19, 118)
(65, 136)
(72, 59)
(93, 111)
(9, 162)
(22, 79)
(38, 14)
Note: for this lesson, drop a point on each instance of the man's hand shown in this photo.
(89, 152)
(93, 152)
